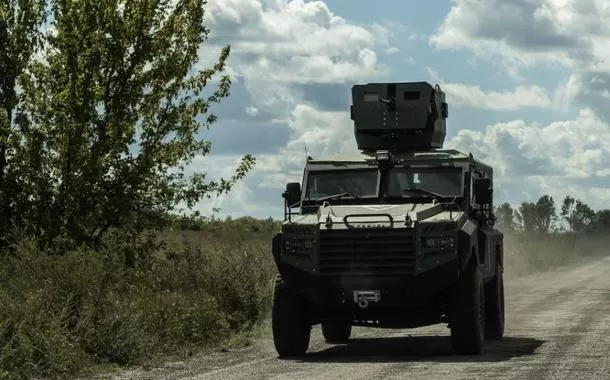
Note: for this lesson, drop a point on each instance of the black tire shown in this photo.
(494, 306)
(336, 331)
(290, 321)
(467, 316)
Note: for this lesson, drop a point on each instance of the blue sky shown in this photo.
(527, 82)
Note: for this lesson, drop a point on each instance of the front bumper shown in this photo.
(391, 262)
(405, 301)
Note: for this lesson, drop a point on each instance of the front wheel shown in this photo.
(290, 321)
(494, 306)
(467, 316)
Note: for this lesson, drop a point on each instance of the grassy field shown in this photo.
(168, 295)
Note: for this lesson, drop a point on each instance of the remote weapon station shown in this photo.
(400, 235)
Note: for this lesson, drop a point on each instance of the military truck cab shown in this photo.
(399, 235)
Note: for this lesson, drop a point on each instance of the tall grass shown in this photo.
(167, 295)
(139, 298)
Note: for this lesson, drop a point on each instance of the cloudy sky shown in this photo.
(527, 82)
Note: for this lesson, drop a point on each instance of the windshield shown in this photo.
(446, 182)
(356, 183)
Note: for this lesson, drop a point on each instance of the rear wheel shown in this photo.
(336, 331)
(290, 321)
(467, 317)
(494, 306)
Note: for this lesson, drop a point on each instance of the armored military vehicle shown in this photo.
(400, 235)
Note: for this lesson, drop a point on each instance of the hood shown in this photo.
(370, 216)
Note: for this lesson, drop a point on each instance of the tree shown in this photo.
(601, 221)
(111, 115)
(20, 37)
(578, 214)
(538, 217)
(505, 215)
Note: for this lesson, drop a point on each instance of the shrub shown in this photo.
(139, 297)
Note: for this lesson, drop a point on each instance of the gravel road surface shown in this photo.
(558, 327)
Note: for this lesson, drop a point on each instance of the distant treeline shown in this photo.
(544, 216)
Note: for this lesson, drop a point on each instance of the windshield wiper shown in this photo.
(422, 191)
(339, 195)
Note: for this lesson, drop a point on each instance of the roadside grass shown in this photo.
(140, 299)
(169, 296)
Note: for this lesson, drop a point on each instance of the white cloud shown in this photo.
(242, 199)
(527, 31)
(392, 50)
(277, 47)
(252, 111)
(561, 157)
(316, 132)
(293, 41)
(276, 44)
(320, 132)
(573, 34)
(521, 96)
(508, 100)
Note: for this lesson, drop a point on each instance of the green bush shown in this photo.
(140, 297)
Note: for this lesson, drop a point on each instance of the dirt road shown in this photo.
(558, 327)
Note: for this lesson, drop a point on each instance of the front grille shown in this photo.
(364, 252)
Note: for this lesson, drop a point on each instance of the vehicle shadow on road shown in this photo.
(417, 348)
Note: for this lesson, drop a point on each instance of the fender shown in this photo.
(491, 244)
(468, 243)
(276, 248)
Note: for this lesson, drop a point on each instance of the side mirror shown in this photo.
(483, 192)
(292, 195)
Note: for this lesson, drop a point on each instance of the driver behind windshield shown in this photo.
(442, 183)
(445, 184)
(357, 183)
(328, 186)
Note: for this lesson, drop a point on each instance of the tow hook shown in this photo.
(363, 297)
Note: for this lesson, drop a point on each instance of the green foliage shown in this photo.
(505, 217)
(183, 291)
(20, 38)
(578, 215)
(601, 222)
(108, 116)
(101, 109)
(539, 217)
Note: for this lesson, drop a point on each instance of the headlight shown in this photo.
(439, 242)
